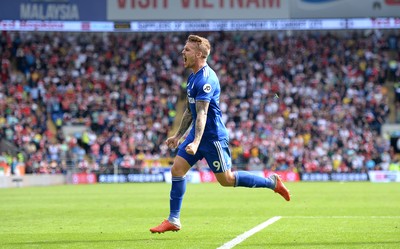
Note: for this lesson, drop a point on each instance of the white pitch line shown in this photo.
(245, 235)
(342, 217)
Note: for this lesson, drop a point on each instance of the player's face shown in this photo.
(189, 54)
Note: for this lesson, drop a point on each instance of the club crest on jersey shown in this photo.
(207, 88)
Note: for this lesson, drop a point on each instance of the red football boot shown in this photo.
(280, 188)
(165, 226)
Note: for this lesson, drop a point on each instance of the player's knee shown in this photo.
(227, 182)
(226, 179)
(177, 171)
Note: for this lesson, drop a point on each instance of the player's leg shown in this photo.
(178, 188)
(244, 179)
(182, 164)
(219, 160)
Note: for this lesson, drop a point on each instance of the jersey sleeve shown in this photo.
(205, 90)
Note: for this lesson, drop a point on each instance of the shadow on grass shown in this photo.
(66, 242)
(380, 244)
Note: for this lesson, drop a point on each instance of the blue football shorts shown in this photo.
(216, 153)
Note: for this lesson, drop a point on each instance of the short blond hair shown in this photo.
(202, 43)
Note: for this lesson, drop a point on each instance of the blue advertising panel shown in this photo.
(53, 10)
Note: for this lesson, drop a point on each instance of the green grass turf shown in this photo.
(320, 215)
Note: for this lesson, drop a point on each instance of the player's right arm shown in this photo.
(186, 121)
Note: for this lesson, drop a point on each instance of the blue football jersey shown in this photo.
(204, 85)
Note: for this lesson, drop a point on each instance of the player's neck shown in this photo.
(199, 66)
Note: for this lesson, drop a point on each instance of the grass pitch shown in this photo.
(320, 215)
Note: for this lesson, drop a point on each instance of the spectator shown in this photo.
(332, 102)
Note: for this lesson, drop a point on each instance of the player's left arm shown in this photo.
(199, 126)
(201, 109)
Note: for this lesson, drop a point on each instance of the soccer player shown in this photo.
(208, 137)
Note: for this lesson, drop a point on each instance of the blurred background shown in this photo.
(90, 90)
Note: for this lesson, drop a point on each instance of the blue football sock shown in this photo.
(176, 196)
(246, 179)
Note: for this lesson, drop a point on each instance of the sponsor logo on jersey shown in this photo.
(207, 88)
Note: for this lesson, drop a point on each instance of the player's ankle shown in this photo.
(175, 221)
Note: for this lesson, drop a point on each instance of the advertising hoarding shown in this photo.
(384, 176)
(120, 10)
(344, 8)
(206, 25)
(61, 10)
(126, 11)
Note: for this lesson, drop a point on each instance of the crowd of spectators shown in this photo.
(124, 88)
(331, 107)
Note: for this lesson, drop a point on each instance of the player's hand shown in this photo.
(172, 142)
(191, 148)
